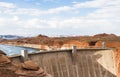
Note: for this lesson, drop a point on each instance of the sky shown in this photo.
(59, 17)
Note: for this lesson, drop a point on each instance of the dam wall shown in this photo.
(75, 62)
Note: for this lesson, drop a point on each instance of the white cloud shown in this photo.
(10, 22)
(105, 18)
(2, 20)
(15, 18)
(93, 4)
(73, 8)
(7, 5)
(59, 9)
(22, 11)
(50, 0)
(111, 11)
(36, 23)
(36, 12)
(75, 2)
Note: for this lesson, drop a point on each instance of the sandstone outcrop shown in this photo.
(26, 69)
(30, 65)
(4, 59)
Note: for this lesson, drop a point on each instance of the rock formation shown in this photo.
(26, 69)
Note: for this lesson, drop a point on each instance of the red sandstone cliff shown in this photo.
(53, 43)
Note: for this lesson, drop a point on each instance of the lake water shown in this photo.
(11, 50)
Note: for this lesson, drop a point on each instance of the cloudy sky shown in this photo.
(59, 17)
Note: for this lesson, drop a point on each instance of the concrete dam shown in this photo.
(91, 62)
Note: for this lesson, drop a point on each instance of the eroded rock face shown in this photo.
(30, 65)
(28, 73)
(79, 44)
(26, 69)
(4, 59)
(7, 73)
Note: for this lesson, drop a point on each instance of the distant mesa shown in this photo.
(40, 35)
(10, 37)
(53, 43)
(105, 35)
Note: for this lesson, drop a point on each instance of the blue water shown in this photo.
(12, 50)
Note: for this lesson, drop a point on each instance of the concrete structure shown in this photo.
(76, 62)
(103, 45)
(24, 55)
